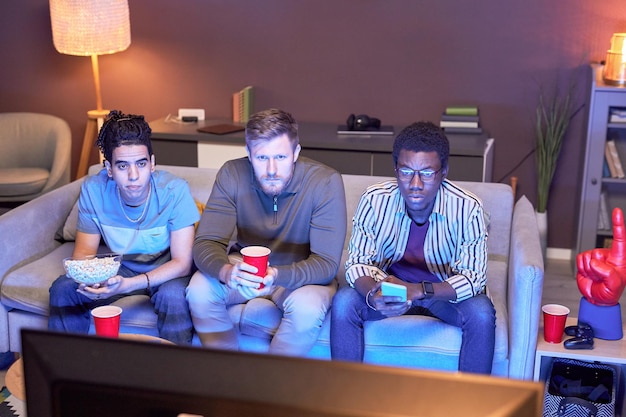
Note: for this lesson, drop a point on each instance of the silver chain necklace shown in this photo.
(145, 208)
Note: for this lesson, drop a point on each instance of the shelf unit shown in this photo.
(603, 99)
(608, 352)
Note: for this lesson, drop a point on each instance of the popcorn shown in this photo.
(92, 270)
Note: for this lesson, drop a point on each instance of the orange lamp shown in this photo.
(90, 28)
(614, 72)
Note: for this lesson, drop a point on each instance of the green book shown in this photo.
(248, 103)
(243, 104)
(462, 110)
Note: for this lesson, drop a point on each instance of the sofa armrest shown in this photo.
(525, 286)
(29, 230)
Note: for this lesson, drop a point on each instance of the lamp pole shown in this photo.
(94, 121)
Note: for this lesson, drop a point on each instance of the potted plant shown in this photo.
(553, 117)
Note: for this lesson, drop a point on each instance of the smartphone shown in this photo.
(397, 290)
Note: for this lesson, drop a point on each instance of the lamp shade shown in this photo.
(614, 72)
(90, 27)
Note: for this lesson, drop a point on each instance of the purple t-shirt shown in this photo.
(412, 266)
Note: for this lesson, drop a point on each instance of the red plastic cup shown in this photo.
(257, 256)
(554, 317)
(107, 320)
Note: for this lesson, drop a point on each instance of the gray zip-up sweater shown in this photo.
(304, 226)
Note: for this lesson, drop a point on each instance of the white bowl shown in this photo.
(94, 269)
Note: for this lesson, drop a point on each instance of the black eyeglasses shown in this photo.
(425, 175)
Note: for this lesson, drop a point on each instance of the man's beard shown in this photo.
(276, 185)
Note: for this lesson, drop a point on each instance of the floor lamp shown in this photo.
(90, 28)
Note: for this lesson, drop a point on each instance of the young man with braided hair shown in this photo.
(146, 215)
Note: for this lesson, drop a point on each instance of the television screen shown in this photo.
(75, 375)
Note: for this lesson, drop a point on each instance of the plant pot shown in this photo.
(542, 225)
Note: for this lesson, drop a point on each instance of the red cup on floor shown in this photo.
(107, 320)
(554, 317)
(257, 256)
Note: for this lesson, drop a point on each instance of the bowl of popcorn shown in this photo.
(91, 270)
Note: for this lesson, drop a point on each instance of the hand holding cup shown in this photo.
(258, 257)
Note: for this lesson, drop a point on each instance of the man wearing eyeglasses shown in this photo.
(426, 234)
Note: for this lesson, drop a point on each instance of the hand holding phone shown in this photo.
(395, 290)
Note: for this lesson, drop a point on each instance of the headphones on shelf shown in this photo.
(362, 122)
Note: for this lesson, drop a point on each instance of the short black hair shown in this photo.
(422, 137)
(123, 129)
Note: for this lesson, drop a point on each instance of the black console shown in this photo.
(583, 336)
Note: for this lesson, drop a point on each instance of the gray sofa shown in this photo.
(31, 260)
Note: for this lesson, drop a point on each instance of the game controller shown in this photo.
(583, 336)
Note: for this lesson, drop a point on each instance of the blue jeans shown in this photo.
(70, 310)
(304, 310)
(475, 316)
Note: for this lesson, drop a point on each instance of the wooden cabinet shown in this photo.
(471, 156)
(595, 182)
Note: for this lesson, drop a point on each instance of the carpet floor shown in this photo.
(11, 406)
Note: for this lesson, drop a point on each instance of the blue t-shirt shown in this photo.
(146, 243)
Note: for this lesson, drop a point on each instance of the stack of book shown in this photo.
(461, 119)
(613, 166)
(617, 115)
(604, 219)
(243, 104)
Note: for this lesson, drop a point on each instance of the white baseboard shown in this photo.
(559, 253)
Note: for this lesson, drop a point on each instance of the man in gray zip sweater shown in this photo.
(294, 206)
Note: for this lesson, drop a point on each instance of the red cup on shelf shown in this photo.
(257, 256)
(554, 317)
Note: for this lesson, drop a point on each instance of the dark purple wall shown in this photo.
(399, 60)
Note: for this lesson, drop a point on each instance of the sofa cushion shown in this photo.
(261, 318)
(497, 200)
(22, 181)
(68, 231)
(137, 311)
(27, 287)
(354, 186)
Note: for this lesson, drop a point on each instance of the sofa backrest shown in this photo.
(497, 200)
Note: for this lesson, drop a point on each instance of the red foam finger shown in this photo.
(582, 261)
(618, 247)
(600, 271)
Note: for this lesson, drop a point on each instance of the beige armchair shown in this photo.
(35, 155)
